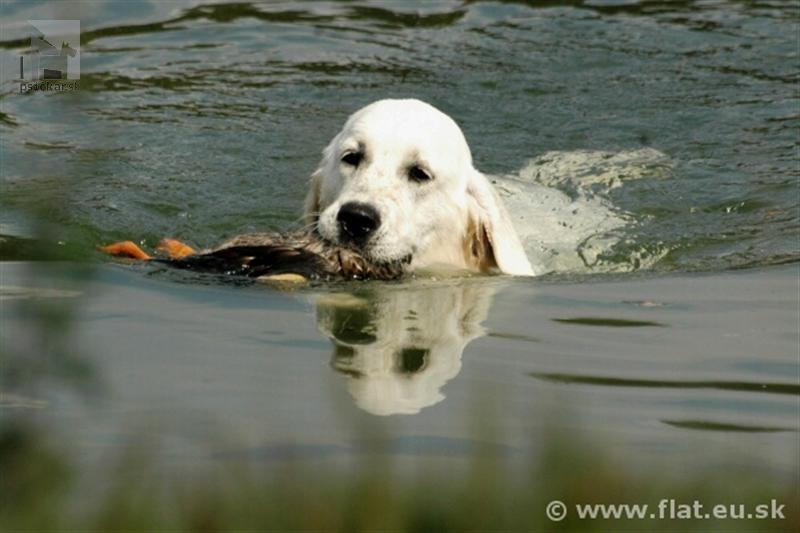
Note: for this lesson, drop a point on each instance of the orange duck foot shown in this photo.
(175, 249)
(126, 249)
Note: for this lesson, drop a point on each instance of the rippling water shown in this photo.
(650, 136)
(201, 121)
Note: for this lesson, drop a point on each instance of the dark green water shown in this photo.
(672, 125)
(201, 122)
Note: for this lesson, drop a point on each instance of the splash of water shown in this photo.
(560, 206)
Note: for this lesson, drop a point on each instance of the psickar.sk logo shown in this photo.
(54, 57)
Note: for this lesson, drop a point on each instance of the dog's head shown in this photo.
(397, 183)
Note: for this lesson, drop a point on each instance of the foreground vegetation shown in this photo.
(42, 491)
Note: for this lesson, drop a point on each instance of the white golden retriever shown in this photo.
(397, 183)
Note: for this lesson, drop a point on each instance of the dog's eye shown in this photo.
(352, 158)
(418, 174)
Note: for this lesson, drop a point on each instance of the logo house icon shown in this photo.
(55, 50)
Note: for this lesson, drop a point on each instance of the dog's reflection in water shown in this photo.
(398, 346)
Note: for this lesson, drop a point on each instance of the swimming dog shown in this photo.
(395, 192)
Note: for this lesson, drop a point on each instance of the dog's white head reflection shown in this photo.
(399, 346)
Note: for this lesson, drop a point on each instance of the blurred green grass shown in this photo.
(39, 487)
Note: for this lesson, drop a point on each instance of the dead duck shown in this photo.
(269, 257)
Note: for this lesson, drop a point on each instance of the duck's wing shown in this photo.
(257, 261)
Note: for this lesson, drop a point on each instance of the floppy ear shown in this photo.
(311, 204)
(494, 228)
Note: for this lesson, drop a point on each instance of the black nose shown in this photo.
(357, 221)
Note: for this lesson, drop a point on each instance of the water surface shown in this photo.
(650, 147)
(201, 121)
